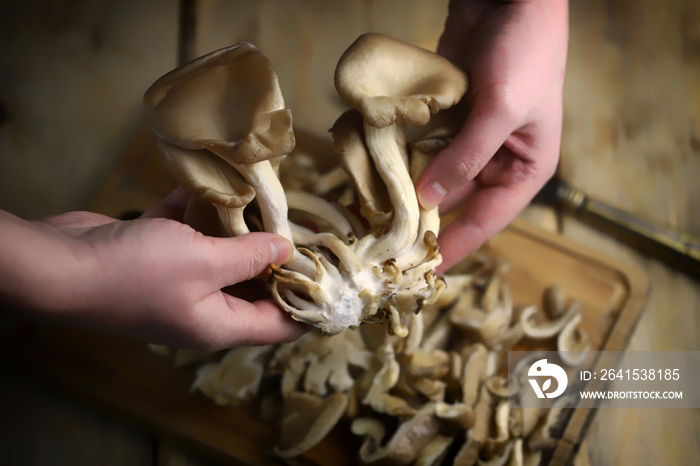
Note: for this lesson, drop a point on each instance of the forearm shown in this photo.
(40, 268)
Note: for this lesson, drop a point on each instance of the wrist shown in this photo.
(41, 269)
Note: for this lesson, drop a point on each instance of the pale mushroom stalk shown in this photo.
(429, 219)
(319, 207)
(270, 197)
(393, 171)
(232, 219)
(272, 203)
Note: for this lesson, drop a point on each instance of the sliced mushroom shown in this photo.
(319, 364)
(500, 458)
(473, 373)
(546, 434)
(378, 396)
(434, 452)
(306, 420)
(460, 415)
(538, 326)
(433, 364)
(236, 378)
(488, 320)
(410, 438)
(495, 446)
(475, 437)
(573, 343)
(501, 386)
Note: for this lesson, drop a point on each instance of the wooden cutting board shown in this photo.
(123, 378)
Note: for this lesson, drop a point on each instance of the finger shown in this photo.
(455, 199)
(484, 131)
(485, 213)
(234, 260)
(172, 207)
(257, 323)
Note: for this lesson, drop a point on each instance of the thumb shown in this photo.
(247, 256)
(172, 207)
(482, 134)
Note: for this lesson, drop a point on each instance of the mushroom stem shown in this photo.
(393, 170)
(272, 202)
(321, 208)
(232, 220)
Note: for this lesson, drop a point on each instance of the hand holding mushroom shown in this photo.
(224, 131)
(152, 278)
(508, 146)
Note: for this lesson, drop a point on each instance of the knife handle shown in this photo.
(671, 245)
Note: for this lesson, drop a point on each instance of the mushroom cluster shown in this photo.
(443, 395)
(223, 128)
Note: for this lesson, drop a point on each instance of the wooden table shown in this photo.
(631, 137)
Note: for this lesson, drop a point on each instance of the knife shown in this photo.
(674, 246)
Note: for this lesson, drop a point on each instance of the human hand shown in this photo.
(508, 147)
(159, 280)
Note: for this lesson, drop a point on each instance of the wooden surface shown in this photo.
(123, 378)
(631, 137)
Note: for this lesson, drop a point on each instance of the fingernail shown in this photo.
(431, 195)
(280, 250)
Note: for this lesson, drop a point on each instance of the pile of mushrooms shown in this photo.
(443, 395)
(416, 362)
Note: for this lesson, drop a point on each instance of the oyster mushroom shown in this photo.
(306, 420)
(394, 267)
(236, 378)
(434, 452)
(547, 433)
(473, 373)
(538, 326)
(573, 342)
(391, 82)
(459, 414)
(546, 323)
(410, 437)
(390, 270)
(497, 445)
(227, 105)
(319, 364)
(488, 319)
(476, 436)
(386, 378)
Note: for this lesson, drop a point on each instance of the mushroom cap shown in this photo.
(392, 82)
(206, 176)
(349, 143)
(228, 102)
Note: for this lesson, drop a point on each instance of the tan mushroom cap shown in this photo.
(349, 142)
(207, 177)
(228, 102)
(393, 82)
